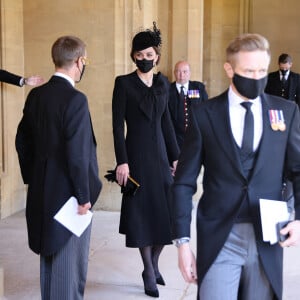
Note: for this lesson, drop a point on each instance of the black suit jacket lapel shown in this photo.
(174, 103)
(266, 140)
(192, 86)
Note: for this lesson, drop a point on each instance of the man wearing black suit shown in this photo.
(182, 96)
(245, 139)
(14, 79)
(284, 82)
(57, 154)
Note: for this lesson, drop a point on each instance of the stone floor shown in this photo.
(114, 270)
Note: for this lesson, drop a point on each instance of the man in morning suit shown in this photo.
(284, 82)
(244, 152)
(184, 94)
(57, 154)
(14, 79)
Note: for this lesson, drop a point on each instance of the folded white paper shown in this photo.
(68, 216)
(271, 213)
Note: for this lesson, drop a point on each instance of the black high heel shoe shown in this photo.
(160, 280)
(152, 292)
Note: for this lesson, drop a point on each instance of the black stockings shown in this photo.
(150, 256)
(156, 251)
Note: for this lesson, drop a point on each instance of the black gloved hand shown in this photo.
(111, 175)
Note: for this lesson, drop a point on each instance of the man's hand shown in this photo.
(34, 80)
(187, 263)
(83, 208)
(293, 229)
(174, 166)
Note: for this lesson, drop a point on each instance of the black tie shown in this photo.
(185, 108)
(283, 79)
(283, 85)
(248, 135)
(182, 92)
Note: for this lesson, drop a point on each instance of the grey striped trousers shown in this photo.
(63, 275)
(237, 272)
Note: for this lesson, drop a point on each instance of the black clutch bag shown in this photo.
(131, 186)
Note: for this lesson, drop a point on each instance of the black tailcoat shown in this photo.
(8, 77)
(209, 143)
(57, 154)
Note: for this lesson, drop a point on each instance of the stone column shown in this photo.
(186, 31)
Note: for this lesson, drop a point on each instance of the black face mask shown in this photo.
(248, 87)
(81, 73)
(283, 72)
(144, 65)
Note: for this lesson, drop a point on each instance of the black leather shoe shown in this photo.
(152, 292)
(160, 280)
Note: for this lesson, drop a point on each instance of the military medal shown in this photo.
(272, 118)
(277, 120)
(281, 124)
(193, 94)
(274, 126)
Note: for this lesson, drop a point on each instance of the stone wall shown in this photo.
(95, 23)
(223, 20)
(279, 21)
(12, 195)
(108, 27)
(196, 30)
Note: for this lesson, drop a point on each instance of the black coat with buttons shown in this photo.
(177, 111)
(149, 147)
(292, 91)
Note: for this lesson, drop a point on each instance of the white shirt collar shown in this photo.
(286, 74)
(179, 85)
(59, 74)
(237, 115)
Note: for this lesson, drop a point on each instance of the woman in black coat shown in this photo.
(148, 153)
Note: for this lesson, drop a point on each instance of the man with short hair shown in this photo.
(183, 95)
(284, 82)
(244, 139)
(57, 154)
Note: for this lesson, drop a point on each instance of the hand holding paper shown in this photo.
(293, 231)
(272, 212)
(84, 208)
(69, 217)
